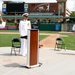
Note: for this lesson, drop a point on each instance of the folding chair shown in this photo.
(59, 44)
(15, 44)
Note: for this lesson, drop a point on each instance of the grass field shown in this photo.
(69, 41)
(8, 30)
(5, 39)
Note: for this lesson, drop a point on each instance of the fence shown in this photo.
(67, 27)
(44, 26)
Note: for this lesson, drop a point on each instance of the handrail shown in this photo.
(30, 16)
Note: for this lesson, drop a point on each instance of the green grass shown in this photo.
(9, 30)
(5, 39)
(49, 32)
(41, 37)
(39, 31)
(69, 41)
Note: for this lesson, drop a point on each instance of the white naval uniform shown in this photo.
(2, 25)
(24, 25)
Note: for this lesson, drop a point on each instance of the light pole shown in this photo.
(59, 7)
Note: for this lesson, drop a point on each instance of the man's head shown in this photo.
(25, 15)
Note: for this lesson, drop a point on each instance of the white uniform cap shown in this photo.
(25, 14)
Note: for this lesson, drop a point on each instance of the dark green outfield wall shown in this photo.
(50, 27)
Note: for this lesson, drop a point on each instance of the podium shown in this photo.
(33, 48)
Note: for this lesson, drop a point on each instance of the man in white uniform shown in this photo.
(2, 25)
(73, 28)
(24, 25)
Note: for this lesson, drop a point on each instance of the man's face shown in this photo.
(25, 17)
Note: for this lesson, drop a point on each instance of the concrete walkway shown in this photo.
(53, 63)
